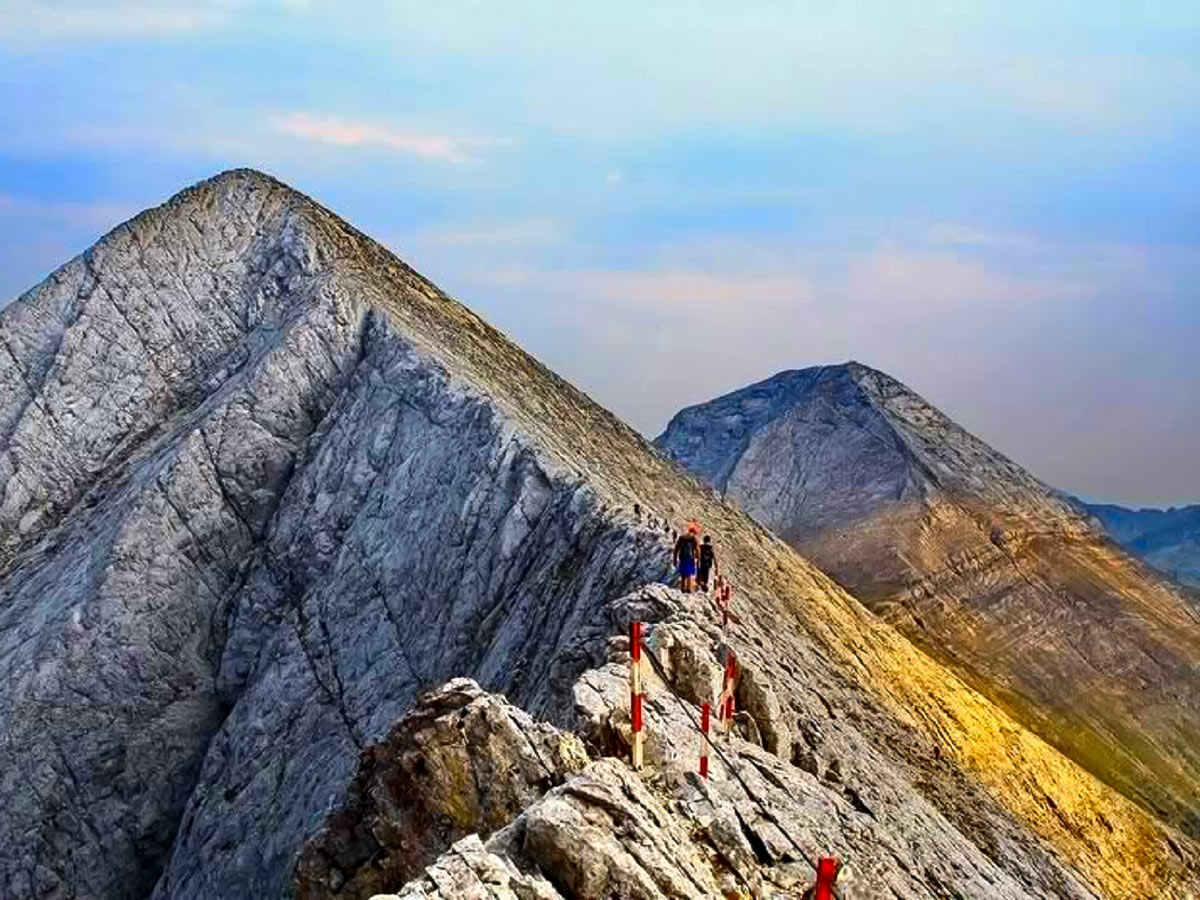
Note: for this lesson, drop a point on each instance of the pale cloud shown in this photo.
(959, 234)
(666, 292)
(80, 18)
(350, 133)
(98, 216)
(1097, 91)
(529, 232)
(944, 281)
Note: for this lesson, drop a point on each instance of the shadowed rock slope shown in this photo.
(976, 560)
(264, 485)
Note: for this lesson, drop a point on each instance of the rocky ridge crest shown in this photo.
(264, 486)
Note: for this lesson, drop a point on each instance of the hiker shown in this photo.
(684, 556)
(708, 563)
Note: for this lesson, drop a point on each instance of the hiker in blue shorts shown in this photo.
(685, 557)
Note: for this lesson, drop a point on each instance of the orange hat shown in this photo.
(693, 527)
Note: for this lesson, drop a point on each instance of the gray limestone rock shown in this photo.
(461, 762)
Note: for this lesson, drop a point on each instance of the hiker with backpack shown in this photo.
(708, 564)
(686, 555)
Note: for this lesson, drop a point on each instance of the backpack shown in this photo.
(687, 547)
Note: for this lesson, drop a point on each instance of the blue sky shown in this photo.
(998, 203)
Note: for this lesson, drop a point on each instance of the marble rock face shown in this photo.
(267, 498)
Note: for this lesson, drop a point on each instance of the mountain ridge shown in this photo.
(969, 555)
(1168, 539)
(268, 485)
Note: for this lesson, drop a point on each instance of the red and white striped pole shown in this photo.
(635, 691)
(705, 716)
(725, 706)
(827, 872)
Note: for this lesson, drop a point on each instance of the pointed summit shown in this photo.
(972, 557)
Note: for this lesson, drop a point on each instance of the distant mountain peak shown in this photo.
(970, 555)
(835, 412)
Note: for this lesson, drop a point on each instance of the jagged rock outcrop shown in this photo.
(1168, 539)
(264, 486)
(469, 870)
(975, 559)
(461, 763)
(752, 830)
(604, 831)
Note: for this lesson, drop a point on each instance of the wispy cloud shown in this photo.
(667, 292)
(526, 232)
(958, 234)
(1095, 91)
(350, 133)
(97, 216)
(942, 283)
(81, 18)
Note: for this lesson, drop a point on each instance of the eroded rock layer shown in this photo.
(264, 486)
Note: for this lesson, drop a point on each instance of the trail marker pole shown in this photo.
(635, 691)
(722, 601)
(725, 707)
(827, 872)
(705, 716)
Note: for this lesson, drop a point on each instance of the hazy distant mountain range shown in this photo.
(1168, 539)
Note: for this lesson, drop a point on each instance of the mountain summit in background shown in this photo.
(270, 499)
(975, 559)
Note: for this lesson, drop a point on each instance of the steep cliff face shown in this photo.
(974, 559)
(1168, 539)
(263, 486)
